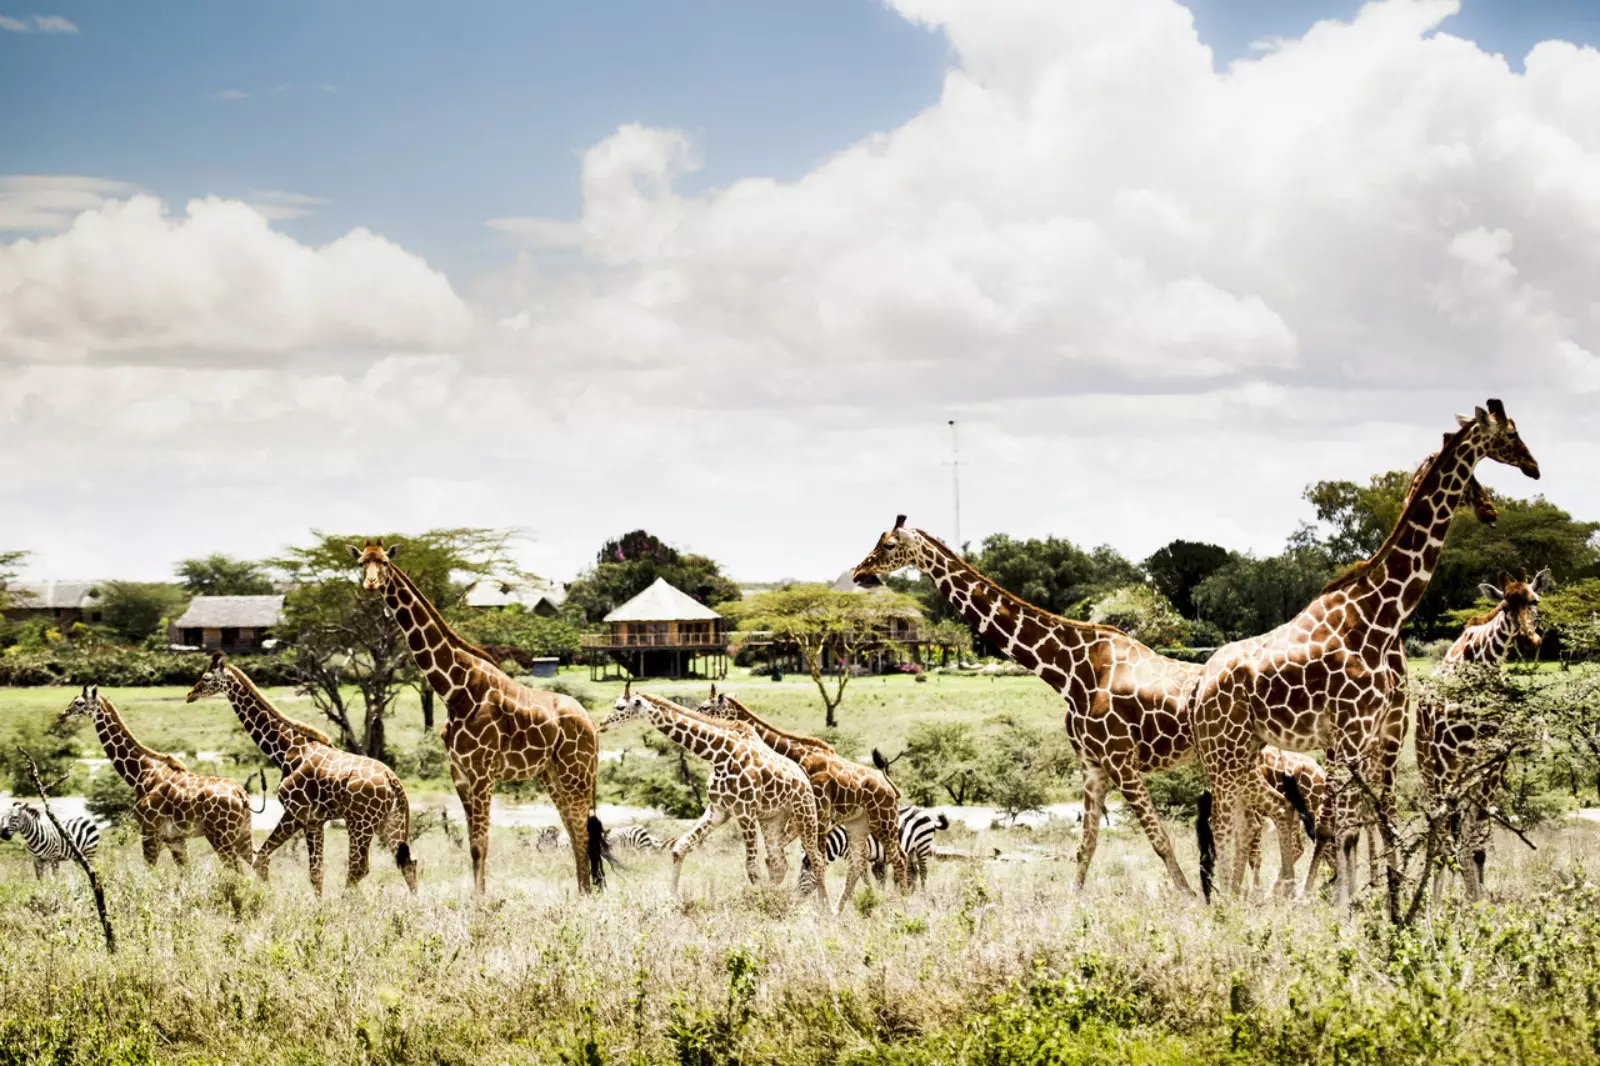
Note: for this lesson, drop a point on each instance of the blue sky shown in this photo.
(422, 120)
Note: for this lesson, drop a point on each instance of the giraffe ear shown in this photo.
(355, 552)
(1490, 593)
(1481, 415)
(1463, 421)
(218, 658)
(392, 551)
(1497, 409)
(1541, 580)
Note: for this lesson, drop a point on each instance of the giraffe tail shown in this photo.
(1297, 800)
(599, 851)
(1208, 846)
(261, 809)
(402, 851)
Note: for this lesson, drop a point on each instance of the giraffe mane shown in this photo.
(451, 635)
(761, 724)
(1485, 618)
(688, 712)
(144, 749)
(983, 579)
(309, 732)
(1428, 469)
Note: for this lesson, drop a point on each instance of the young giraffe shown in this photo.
(858, 797)
(1446, 743)
(1332, 676)
(320, 782)
(749, 782)
(1126, 705)
(1311, 781)
(171, 803)
(498, 730)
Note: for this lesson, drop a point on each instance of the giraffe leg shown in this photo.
(475, 799)
(179, 848)
(886, 827)
(774, 834)
(396, 833)
(857, 830)
(1230, 808)
(574, 811)
(752, 848)
(358, 861)
(280, 834)
(1252, 853)
(150, 842)
(1131, 784)
(712, 818)
(314, 855)
(1095, 783)
(804, 816)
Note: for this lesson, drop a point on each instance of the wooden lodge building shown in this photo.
(60, 603)
(227, 623)
(660, 633)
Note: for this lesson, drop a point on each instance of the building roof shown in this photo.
(51, 595)
(229, 612)
(662, 602)
(491, 592)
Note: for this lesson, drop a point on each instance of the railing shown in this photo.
(655, 640)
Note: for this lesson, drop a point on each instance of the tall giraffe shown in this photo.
(764, 793)
(320, 782)
(1332, 676)
(171, 802)
(1126, 705)
(858, 797)
(1447, 742)
(498, 730)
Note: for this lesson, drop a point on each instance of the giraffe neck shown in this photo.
(789, 745)
(274, 734)
(694, 734)
(1401, 568)
(1019, 629)
(446, 660)
(128, 757)
(1488, 642)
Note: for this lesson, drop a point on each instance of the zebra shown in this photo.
(917, 827)
(43, 842)
(550, 837)
(636, 837)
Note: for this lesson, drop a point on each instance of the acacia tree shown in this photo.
(341, 635)
(8, 570)
(829, 628)
(223, 575)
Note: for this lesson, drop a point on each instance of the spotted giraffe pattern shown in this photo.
(1127, 712)
(1333, 676)
(859, 798)
(171, 802)
(1312, 781)
(1447, 742)
(765, 794)
(497, 730)
(320, 783)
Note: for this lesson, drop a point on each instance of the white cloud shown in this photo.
(231, 94)
(130, 281)
(38, 24)
(51, 201)
(1159, 307)
(276, 205)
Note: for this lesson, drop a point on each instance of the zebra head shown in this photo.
(83, 705)
(11, 822)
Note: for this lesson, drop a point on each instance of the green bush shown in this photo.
(113, 666)
(110, 797)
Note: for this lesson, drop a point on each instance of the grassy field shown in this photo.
(997, 962)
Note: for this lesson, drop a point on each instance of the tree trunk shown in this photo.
(376, 746)
(427, 704)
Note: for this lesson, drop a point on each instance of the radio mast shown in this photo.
(955, 487)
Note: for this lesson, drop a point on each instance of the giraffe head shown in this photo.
(1502, 443)
(717, 706)
(896, 550)
(83, 705)
(374, 560)
(627, 708)
(1519, 601)
(214, 682)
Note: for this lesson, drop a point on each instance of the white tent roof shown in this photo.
(662, 603)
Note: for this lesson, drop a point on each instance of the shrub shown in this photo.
(110, 797)
(122, 667)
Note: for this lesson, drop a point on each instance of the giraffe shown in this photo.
(749, 782)
(1447, 743)
(497, 730)
(1332, 676)
(171, 803)
(1126, 705)
(320, 782)
(858, 797)
(1279, 769)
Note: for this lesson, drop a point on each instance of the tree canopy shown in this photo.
(223, 575)
(627, 565)
(1179, 566)
(1053, 573)
(138, 611)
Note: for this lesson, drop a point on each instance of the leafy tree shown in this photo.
(942, 764)
(1358, 517)
(1178, 567)
(829, 628)
(1248, 595)
(670, 779)
(342, 635)
(110, 797)
(1023, 765)
(140, 610)
(223, 575)
(518, 627)
(629, 564)
(8, 570)
(1053, 573)
(1142, 613)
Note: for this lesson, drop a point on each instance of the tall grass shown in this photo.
(997, 962)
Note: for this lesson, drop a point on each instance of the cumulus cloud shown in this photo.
(1159, 307)
(52, 201)
(130, 281)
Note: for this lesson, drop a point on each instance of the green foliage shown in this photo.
(628, 565)
(1176, 793)
(1248, 595)
(1142, 613)
(1052, 573)
(941, 764)
(9, 562)
(55, 750)
(667, 778)
(1178, 567)
(110, 797)
(121, 667)
(1015, 766)
(139, 610)
(223, 575)
(520, 628)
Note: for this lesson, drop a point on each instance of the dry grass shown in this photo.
(997, 962)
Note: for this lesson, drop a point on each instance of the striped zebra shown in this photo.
(917, 827)
(43, 842)
(636, 837)
(550, 837)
